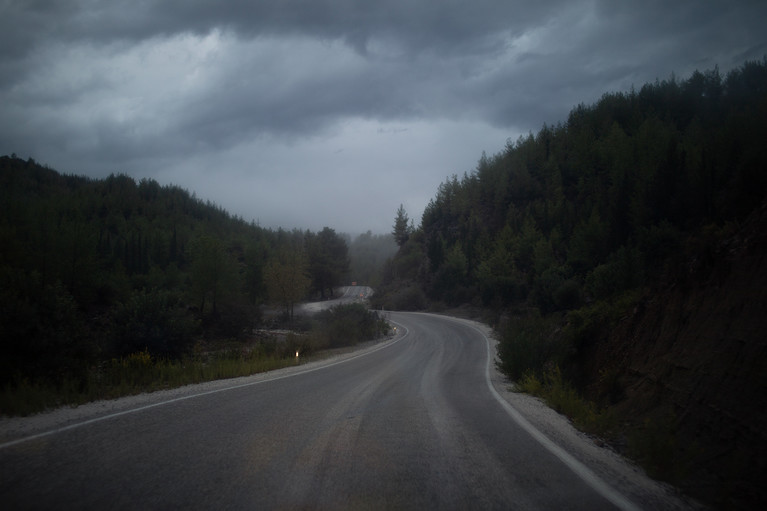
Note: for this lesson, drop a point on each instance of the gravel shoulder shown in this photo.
(622, 474)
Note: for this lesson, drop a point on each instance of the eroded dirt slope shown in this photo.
(693, 356)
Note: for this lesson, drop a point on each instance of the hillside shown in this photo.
(693, 354)
(620, 255)
(92, 270)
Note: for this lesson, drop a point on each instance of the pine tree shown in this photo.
(402, 228)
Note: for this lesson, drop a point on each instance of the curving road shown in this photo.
(349, 294)
(413, 424)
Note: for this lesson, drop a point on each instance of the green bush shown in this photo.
(299, 345)
(602, 281)
(656, 445)
(528, 344)
(400, 297)
(411, 298)
(586, 324)
(139, 372)
(563, 398)
(41, 332)
(544, 286)
(346, 325)
(659, 243)
(567, 295)
(623, 271)
(155, 321)
(232, 321)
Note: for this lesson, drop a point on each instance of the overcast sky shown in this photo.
(330, 112)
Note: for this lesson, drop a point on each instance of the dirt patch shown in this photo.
(691, 360)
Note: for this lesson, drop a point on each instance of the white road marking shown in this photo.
(581, 470)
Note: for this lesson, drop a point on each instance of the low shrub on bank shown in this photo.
(528, 343)
(133, 374)
(563, 398)
(347, 325)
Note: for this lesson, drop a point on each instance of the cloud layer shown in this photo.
(306, 114)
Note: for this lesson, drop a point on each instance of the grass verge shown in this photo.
(534, 347)
(340, 326)
(134, 374)
(563, 398)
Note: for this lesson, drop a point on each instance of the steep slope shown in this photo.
(691, 362)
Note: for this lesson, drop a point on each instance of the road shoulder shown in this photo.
(620, 473)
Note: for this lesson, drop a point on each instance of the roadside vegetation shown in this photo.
(96, 271)
(141, 371)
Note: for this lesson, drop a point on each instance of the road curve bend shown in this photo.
(414, 424)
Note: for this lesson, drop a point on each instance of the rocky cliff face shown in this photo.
(690, 366)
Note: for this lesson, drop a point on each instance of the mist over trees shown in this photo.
(368, 254)
(328, 258)
(286, 279)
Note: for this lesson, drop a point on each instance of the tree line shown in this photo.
(92, 269)
(594, 206)
(564, 239)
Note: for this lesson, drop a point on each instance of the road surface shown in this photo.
(349, 294)
(413, 424)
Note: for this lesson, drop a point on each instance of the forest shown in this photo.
(619, 255)
(598, 204)
(93, 270)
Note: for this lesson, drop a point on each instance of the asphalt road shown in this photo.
(412, 425)
(348, 294)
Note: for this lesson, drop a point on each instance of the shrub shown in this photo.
(41, 332)
(301, 344)
(528, 344)
(542, 294)
(233, 321)
(563, 398)
(656, 446)
(411, 298)
(155, 321)
(567, 295)
(345, 325)
(623, 271)
(586, 324)
(401, 298)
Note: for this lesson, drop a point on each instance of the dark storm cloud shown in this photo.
(420, 24)
(428, 38)
(590, 48)
(272, 93)
(434, 44)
